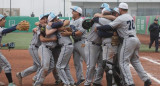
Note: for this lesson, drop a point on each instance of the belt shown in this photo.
(49, 47)
(77, 40)
(36, 46)
(96, 44)
(64, 44)
(131, 36)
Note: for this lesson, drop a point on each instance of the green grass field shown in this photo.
(22, 41)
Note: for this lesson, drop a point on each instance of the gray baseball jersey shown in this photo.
(78, 52)
(33, 49)
(129, 52)
(4, 64)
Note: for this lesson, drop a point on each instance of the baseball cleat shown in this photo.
(2, 84)
(80, 82)
(18, 75)
(147, 82)
(58, 82)
(11, 84)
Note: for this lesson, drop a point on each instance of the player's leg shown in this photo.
(63, 61)
(56, 51)
(99, 72)
(69, 75)
(36, 63)
(80, 51)
(138, 66)
(78, 65)
(126, 53)
(91, 52)
(7, 69)
(45, 55)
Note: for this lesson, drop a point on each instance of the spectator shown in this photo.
(32, 15)
(60, 14)
(154, 30)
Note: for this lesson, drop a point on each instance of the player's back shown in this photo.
(126, 25)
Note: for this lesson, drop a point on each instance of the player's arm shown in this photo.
(110, 17)
(44, 39)
(111, 26)
(51, 31)
(52, 27)
(8, 30)
(66, 23)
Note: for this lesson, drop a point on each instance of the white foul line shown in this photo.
(152, 77)
(150, 60)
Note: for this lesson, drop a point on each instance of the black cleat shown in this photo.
(147, 82)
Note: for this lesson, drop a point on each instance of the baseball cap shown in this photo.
(104, 5)
(155, 19)
(2, 16)
(77, 9)
(106, 9)
(51, 16)
(43, 15)
(116, 9)
(123, 5)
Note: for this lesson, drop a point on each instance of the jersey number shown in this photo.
(131, 24)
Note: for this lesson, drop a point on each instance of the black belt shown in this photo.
(67, 44)
(36, 46)
(49, 47)
(131, 36)
(77, 40)
(96, 44)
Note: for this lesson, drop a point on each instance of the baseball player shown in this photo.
(4, 64)
(66, 51)
(130, 46)
(92, 52)
(99, 70)
(33, 49)
(109, 50)
(45, 51)
(78, 35)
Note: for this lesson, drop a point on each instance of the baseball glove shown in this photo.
(87, 24)
(42, 30)
(115, 39)
(11, 45)
(23, 26)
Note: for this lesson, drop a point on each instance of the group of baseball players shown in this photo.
(52, 47)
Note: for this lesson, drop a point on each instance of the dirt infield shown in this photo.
(20, 60)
